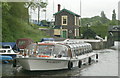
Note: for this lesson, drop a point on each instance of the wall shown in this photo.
(102, 44)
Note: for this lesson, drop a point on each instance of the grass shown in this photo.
(21, 30)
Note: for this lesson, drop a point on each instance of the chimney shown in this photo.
(58, 7)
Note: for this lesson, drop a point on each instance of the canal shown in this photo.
(106, 66)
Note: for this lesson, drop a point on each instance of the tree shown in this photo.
(44, 22)
(40, 5)
(5, 7)
(103, 18)
(103, 15)
(18, 10)
(36, 4)
(14, 17)
(89, 33)
(114, 15)
(44, 10)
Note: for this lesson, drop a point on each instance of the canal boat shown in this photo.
(56, 55)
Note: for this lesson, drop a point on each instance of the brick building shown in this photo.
(67, 24)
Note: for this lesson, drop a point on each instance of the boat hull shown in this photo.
(34, 64)
(11, 55)
(38, 63)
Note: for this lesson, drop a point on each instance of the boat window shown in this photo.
(21, 43)
(60, 50)
(9, 51)
(63, 53)
(45, 49)
(2, 51)
(6, 47)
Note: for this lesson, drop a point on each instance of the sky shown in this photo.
(119, 11)
(89, 8)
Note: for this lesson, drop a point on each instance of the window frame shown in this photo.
(66, 17)
(75, 20)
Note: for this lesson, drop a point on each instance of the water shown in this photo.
(106, 66)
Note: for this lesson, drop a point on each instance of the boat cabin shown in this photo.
(6, 49)
(57, 50)
(22, 43)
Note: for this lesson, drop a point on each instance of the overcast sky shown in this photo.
(119, 11)
(89, 8)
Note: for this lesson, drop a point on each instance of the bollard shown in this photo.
(14, 63)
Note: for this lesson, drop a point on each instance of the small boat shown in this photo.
(56, 55)
(6, 50)
(6, 59)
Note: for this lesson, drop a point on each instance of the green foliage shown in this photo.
(103, 18)
(113, 22)
(44, 22)
(98, 24)
(88, 33)
(98, 30)
(94, 21)
(103, 15)
(33, 4)
(5, 7)
(15, 25)
(114, 15)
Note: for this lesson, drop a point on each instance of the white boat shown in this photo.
(6, 50)
(56, 55)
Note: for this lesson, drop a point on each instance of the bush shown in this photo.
(15, 25)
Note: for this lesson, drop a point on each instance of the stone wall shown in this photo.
(102, 44)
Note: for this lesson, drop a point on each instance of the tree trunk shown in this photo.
(38, 14)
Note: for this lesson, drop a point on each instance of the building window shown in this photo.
(75, 20)
(64, 20)
(78, 21)
(75, 32)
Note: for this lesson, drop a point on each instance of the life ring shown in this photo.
(89, 60)
(70, 65)
(79, 63)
